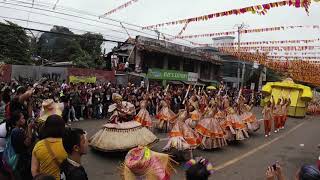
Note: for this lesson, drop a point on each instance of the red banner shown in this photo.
(257, 9)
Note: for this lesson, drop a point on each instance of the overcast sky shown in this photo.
(149, 12)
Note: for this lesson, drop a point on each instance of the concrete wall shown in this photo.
(21, 73)
(24, 73)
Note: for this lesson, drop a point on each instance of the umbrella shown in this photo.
(211, 88)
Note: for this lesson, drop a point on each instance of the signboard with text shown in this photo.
(163, 74)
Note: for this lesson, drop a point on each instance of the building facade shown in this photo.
(168, 62)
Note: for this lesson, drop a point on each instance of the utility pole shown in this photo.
(240, 27)
(158, 33)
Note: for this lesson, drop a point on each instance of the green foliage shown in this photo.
(14, 44)
(82, 59)
(91, 43)
(58, 45)
(83, 50)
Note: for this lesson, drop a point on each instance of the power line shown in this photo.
(63, 19)
(71, 15)
(64, 34)
(97, 16)
(47, 24)
(53, 16)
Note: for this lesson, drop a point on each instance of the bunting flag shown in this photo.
(295, 57)
(119, 8)
(257, 9)
(300, 70)
(246, 31)
(269, 42)
(180, 33)
(295, 53)
(269, 48)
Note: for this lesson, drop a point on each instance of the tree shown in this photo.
(58, 45)
(91, 44)
(14, 44)
(63, 45)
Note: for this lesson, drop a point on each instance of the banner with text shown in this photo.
(82, 79)
(163, 74)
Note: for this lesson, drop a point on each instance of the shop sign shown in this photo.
(163, 74)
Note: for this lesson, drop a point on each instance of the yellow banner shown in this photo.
(82, 79)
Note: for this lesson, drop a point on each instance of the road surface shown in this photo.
(246, 160)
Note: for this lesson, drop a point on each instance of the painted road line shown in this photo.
(235, 160)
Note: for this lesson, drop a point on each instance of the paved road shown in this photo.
(247, 160)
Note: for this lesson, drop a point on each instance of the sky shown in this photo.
(149, 12)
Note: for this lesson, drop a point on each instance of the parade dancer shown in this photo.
(203, 103)
(165, 117)
(122, 132)
(267, 117)
(209, 129)
(233, 115)
(284, 111)
(247, 116)
(237, 123)
(194, 111)
(182, 137)
(226, 123)
(143, 117)
(277, 114)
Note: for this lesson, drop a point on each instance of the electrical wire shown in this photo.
(64, 34)
(71, 15)
(97, 16)
(38, 13)
(47, 24)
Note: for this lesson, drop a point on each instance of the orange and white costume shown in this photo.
(165, 116)
(249, 118)
(143, 117)
(211, 133)
(182, 137)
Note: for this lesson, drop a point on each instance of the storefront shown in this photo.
(172, 76)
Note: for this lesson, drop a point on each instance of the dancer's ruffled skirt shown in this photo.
(166, 118)
(122, 137)
(143, 117)
(211, 133)
(234, 128)
(182, 137)
(250, 121)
